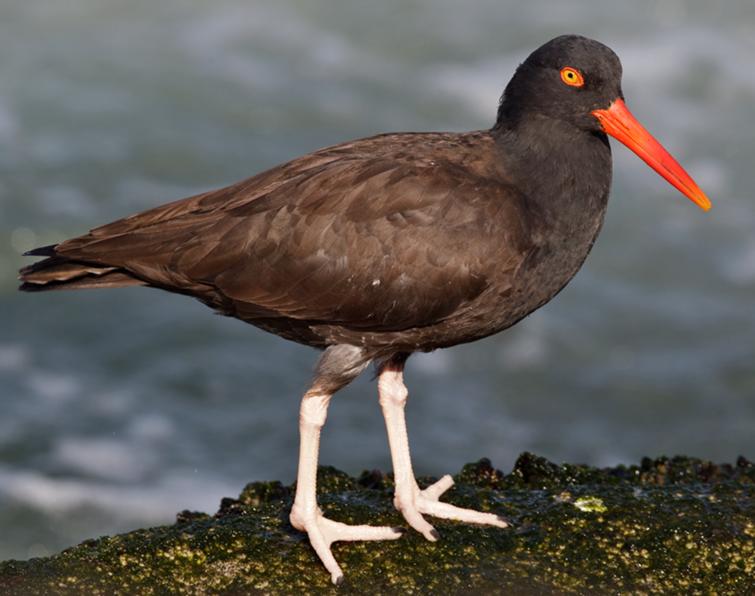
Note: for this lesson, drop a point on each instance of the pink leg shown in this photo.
(409, 499)
(305, 514)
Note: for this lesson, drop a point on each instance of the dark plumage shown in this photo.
(384, 246)
(397, 242)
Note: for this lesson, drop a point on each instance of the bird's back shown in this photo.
(374, 242)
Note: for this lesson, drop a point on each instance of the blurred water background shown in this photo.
(119, 408)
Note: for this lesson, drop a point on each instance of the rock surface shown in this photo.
(680, 526)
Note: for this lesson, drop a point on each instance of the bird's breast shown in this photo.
(557, 250)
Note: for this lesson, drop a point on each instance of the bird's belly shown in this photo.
(540, 278)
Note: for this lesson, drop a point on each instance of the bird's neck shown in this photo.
(563, 172)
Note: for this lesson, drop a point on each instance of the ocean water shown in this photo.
(120, 408)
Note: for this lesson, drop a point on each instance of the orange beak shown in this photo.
(618, 122)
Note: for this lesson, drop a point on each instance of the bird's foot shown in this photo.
(323, 532)
(414, 502)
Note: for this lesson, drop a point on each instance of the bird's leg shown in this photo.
(305, 514)
(409, 499)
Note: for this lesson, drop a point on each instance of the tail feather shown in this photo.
(61, 273)
(42, 251)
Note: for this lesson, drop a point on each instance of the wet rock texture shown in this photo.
(667, 526)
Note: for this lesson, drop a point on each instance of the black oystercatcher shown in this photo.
(378, 248)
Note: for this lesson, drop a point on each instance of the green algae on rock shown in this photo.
(677, 525)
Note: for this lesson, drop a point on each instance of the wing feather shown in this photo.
(361, 235)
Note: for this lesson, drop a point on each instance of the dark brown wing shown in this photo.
(365, 235)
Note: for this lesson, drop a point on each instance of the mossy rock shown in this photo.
(667, 526)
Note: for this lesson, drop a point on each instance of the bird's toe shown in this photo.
(434, 491)
(413, 516)
(470, 516)
(415, 503)
(323, 532)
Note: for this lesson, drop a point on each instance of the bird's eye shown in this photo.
(572, 77)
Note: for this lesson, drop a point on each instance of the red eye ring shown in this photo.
(572, 77)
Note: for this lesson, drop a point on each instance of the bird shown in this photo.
(375, 249)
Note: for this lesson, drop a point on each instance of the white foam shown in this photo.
(9, 125)
(13, 357)
(528, 345)
(434, 363)
(23, 239)
(66, 200)
(105, 458)
(53, 387)
(151, 428)
(740, 266)
(220, 42)
(160, 500)
(476, 86)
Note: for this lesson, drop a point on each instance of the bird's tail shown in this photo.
(57, 272)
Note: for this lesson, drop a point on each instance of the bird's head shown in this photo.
(578, 80)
